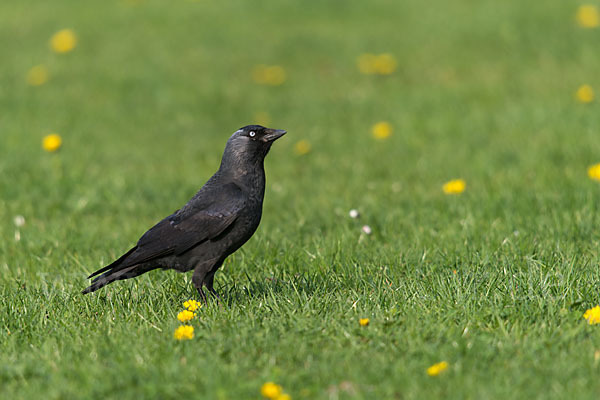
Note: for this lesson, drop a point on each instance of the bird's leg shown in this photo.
(198, 279)
(208, 282)
(209, 278)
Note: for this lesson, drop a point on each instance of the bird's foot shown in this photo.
(202, 295)
(215, 295)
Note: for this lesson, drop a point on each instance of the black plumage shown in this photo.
(219, 219)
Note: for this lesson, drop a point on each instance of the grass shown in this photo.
(494, 281)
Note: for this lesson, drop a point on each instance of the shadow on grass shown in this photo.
(242, 287)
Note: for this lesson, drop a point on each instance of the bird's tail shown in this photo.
(115, 275)
(116, 265)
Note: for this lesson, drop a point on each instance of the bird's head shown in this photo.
(250, 144)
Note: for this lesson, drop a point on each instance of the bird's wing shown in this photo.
(204, 218)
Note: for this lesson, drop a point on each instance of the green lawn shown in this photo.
(494, 281)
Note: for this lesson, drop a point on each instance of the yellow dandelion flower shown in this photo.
(52, 142)
(192, 305)
(587, 16)
(455, 186)
(185, 316)
(585, 94)
(594, 172)
(184, 332)
(593, 315)
(283, 396)
(437, 369)
(381, 130)
(63, 41)
(262, 118)
(366, 63)
(385, 64)
(302, 147)
(37, 75)
(271, 390)
(363, 321)
(273, 75)
(372, 64)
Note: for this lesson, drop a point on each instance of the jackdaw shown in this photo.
(219, 219)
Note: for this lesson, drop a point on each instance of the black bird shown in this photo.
(219, 219)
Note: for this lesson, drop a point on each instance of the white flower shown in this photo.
(354, 213)
(367, 229)
(19, 221)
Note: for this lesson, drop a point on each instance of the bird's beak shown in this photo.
(273, 134)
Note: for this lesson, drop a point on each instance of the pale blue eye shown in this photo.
(252, 133)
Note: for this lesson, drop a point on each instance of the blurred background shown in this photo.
(384, 102)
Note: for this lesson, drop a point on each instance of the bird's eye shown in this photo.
(252, 134)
